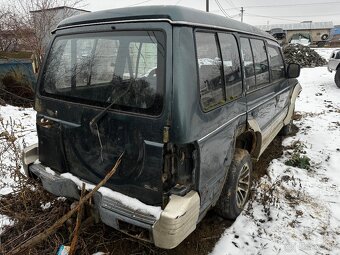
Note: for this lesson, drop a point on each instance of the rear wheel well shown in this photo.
(246, 141)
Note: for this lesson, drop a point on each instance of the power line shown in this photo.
(269, 17)
(140, 3)
(230, 2)
(299, 16)
(305, 16)
(283, 5)
(234, 16)
(221, 8)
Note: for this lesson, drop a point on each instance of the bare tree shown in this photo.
(8, 41)
(33, 20)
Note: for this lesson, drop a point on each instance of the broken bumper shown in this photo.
(176, 221)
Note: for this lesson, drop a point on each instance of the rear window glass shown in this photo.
(101, 68)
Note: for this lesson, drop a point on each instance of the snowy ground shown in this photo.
(324, 52)
(294, 210)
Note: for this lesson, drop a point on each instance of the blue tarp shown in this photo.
(335, 31)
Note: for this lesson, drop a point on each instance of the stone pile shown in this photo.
(303, 55)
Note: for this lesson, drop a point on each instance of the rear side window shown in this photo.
(124, 68)
(248, 61)
(210, 71)
(261, 61)
(277, 67)
(231, 66)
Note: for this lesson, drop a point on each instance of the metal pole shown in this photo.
(207, 6)
(242, 11)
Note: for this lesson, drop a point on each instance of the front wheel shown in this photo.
(337, 77)
(236, 190)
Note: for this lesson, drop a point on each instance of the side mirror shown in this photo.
(293, 70)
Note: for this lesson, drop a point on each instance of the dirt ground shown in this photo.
(25, 207)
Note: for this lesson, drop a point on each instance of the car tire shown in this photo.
(237, 186)
(337, 77)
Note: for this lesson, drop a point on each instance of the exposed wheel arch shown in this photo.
(250, 140)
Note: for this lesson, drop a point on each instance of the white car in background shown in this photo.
(334, 65)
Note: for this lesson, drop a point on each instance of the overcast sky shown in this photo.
(256, 12)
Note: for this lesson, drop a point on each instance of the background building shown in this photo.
(319, 31)
(48, 19)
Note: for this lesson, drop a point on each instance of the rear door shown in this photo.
(223, 108)
(261, 99)
(278, 79)
(267, 88)
(84, 74)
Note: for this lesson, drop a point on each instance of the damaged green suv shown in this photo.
(191, 98)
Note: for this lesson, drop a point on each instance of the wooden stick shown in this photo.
(74, 242)
(47, 232)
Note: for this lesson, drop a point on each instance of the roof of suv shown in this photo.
(174, 14)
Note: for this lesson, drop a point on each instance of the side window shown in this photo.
(277, 67)
(210, 77)
(248, 61)
(261, 61)
(231, 66)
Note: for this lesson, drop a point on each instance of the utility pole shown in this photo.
(207, 6)
(242, 11)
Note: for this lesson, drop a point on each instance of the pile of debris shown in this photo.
(303, 55)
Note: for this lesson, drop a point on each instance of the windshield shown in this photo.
(126, 68)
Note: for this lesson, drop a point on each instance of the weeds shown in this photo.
(10, 154)
(298, 159)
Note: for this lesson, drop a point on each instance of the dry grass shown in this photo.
(24, 206)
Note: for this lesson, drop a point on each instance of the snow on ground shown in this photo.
(20, 123)
(294, 210)
(324, 52)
